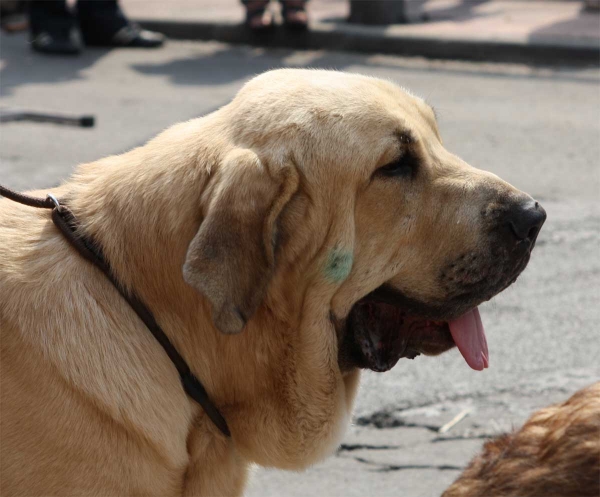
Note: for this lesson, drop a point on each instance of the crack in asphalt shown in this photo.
(483, 436)
(351, 447)
(371, 419)
(384, 468)
(384, 419)
(387, 417)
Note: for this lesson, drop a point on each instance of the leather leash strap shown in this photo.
(66, 222)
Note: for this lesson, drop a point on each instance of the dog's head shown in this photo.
(338, 203)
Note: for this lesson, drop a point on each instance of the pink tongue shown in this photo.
(469, 336)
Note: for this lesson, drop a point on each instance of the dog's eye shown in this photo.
(404, 167)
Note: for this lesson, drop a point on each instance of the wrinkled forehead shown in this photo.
(387, 111)
(331, 112)
(386, 107)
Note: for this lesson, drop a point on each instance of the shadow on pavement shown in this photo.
(19, 65)
(228, 64)
(221, 66)
(231, 63)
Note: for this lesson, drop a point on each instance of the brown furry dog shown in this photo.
(314, 226)
(555, 454)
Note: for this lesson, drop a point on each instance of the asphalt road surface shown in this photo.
(537, 128)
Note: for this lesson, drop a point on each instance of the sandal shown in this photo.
(294, 14)
(258, 17)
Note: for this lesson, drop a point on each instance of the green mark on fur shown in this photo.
(339, 264)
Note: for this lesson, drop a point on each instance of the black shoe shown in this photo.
(103, 24)
(53, 29)
(130, 35)
(62, 40)
(133, 35)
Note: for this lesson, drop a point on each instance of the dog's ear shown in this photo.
(232, 257)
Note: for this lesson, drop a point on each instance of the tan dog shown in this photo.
(318, 214)
(555, 454)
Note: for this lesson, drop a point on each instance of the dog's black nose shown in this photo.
(526, 220)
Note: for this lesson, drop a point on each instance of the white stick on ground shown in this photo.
(454, 421)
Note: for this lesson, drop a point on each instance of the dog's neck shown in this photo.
(143, 208)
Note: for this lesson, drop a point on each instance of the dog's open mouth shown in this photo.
(384, 333)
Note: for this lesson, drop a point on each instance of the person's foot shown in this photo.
(62, 38)
(103, 24)
(258, 17)
(53, 29)
(294, 14)
(131, 35)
